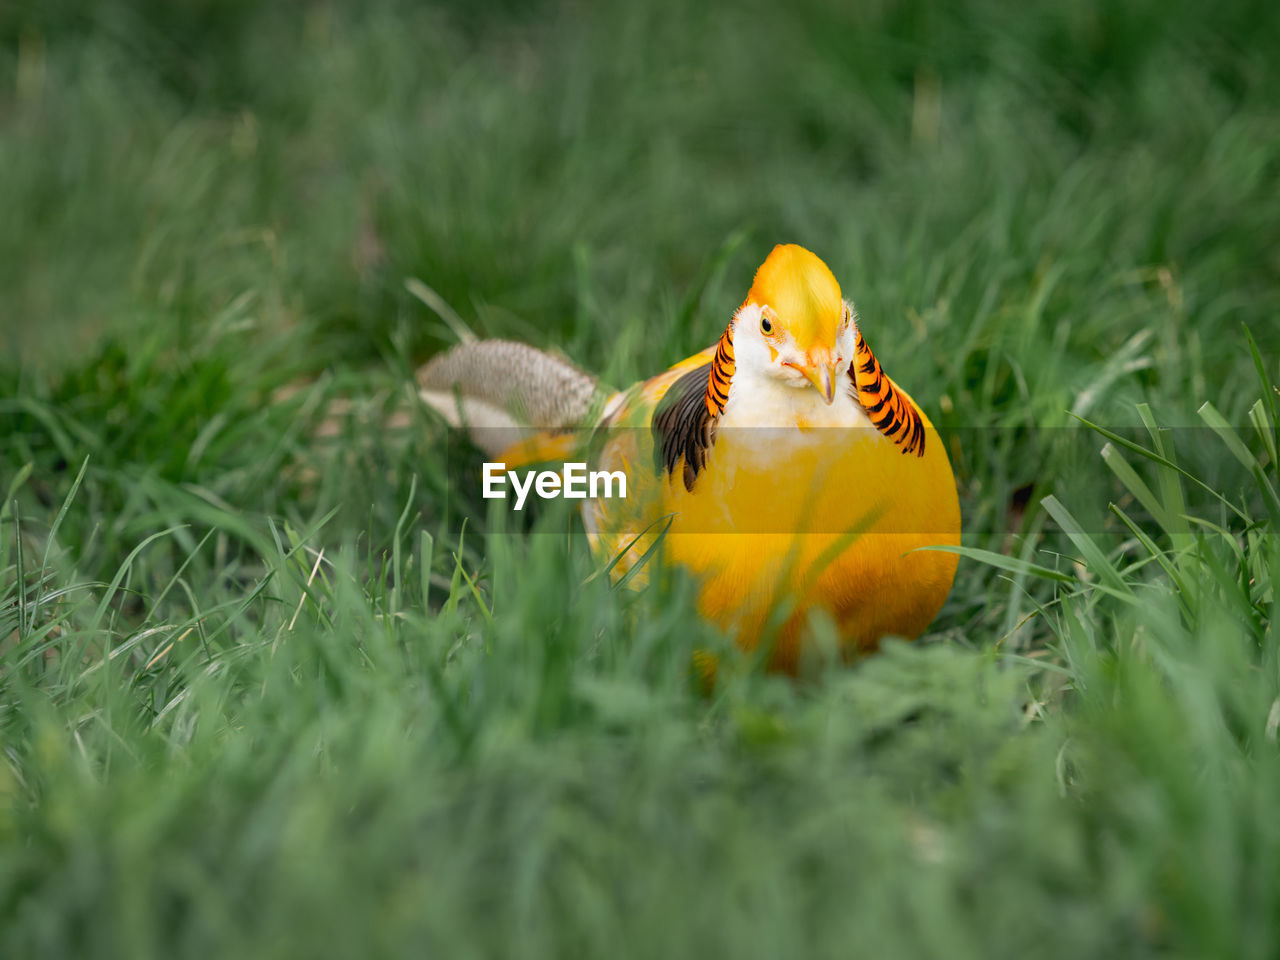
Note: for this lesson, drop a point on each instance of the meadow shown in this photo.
(276, 681)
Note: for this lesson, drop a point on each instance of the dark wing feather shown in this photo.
(683, 427)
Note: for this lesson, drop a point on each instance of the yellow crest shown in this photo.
(804, 294)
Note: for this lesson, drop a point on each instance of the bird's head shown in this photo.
(794, 326)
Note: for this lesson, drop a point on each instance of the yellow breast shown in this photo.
(826, 517)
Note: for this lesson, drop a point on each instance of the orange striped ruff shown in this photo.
(891, 412)
(722, 369)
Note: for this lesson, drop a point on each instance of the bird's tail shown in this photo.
(515, 401)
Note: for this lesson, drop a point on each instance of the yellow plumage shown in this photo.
(786, 469)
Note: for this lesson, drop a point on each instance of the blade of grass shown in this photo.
(1003, 562)
(1094, 558)
(397, 571)
(1137, 486)
(1268, 398)
(426, 554)
(1164, 461)
(1227, 434)
(644, 557)
(53, 531)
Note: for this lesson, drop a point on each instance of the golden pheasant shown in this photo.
(781, 467)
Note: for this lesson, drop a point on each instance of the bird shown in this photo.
(781, 467)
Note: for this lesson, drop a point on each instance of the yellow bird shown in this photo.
(781, 467)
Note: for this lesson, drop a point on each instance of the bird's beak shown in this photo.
(823, 378)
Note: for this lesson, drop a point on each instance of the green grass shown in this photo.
(270, 693)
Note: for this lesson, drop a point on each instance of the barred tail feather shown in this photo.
(505, 393)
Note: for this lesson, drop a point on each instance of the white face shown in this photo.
(775, 354)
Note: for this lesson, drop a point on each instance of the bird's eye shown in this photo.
(766, 325)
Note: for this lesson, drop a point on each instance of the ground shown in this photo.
(276, 681)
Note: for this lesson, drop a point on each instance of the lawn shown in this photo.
(276, 681)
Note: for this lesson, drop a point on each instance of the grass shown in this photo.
(269, 692)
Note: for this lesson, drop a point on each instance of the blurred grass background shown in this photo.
(260, 695)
